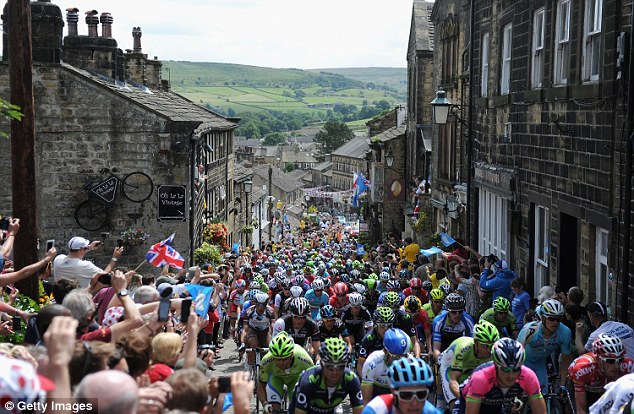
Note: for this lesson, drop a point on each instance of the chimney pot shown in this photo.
(92, 20)
(106, 24)
(72, 17)
(136, 35)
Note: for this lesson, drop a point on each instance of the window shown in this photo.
(505, 78)
(562, 42)
(446, 152)
(603, 286)
(537, 73)
(484, 77)
(492, 222)
(592, 40)
(541, 249)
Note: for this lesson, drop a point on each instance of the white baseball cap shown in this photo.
(77, 243)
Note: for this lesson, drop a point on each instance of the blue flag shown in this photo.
(228, 402)
(360, 249)
(446, 239)
(430, 251)
(201, 297)
(359, 185)
(236, 248)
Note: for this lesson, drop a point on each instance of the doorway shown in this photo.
(568, 260)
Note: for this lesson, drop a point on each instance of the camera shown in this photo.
(4, 223)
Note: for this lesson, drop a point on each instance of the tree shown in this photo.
(332, 136)
(274, 139)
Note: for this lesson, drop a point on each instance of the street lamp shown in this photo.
(440, 107)
(248, 186)
(271, 199)
(389, 158)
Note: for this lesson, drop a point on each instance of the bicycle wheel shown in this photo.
(137, 187)
(554, 406)
(91, 215)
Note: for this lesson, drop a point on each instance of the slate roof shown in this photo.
(299, 156)
(323, 166)
(240, 172)
(422, 25)
(280, 179)
(357, 147)
(243, 142)
(166, 104)
(391, 133)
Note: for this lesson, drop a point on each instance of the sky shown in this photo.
(271, 33)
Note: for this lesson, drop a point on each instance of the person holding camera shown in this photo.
(73, 265)
(496, 278)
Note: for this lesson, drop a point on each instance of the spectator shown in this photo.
(546, 292)
(74, 266)
(116, 392)
(37, 326)
(580, 329)
(520, 300)
(598, 315)
(146, 294)
(411, 250)
(190, 390)
(61, 288)
(496, 278)
(137, 349)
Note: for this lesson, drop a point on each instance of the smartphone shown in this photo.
(164, 310)
(17, 323)
(4, 223)
(185, 307)
(106, 279)
(50, 244)
(224, 385)
(104, 235)
(119, 242)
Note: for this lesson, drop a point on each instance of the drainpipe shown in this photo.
(470, 123)
(627, 191)
(193, 142)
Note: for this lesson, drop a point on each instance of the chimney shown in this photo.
(106, 24)
(72, 17)
(92, 20)
(136, 35)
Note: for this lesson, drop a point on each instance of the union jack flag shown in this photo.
(162, 253)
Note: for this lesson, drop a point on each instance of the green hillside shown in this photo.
(395, 78)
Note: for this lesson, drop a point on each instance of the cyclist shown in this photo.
(463, 356)
(416, 289)
(592, 371)
(356, 316)
(392, 286)
(280, 298)
(617, 397)
(420, 319)
(401, 319)
(371, 294)
(410, 380)
(500, 315)
(332, 327)
(236, 298)
(322, 388)
(280, 367)
(450, 324)
(383, 319)
(339, 299)
(435, 304)
(496, 384)
(316, 298)
(299, 325)
(542, 338)
(396, 344)
(256, 325)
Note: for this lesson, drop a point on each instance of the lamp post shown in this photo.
(248, 187)
(271, 199)
(389, 158)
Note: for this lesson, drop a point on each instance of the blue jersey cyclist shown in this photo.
(542, 339)
(410, 379)
(450, 324)
(316, 298)
(322, 388)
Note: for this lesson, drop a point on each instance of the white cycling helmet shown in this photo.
(355, 299)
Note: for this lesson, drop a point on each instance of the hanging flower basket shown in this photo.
(134, 236)
(216, 234)
(247, 229)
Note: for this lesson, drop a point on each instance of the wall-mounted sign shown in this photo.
(172, 202)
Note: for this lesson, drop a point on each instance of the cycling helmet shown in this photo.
(409, 371)
(370, 284)
(340, 288)
(412, 304)
(253, 293)
(318, 284)
(552, 308)
(355, 274)
(240, 283)
(384, 276)
(415, 283)
(428, 286)
(485, 332)
(437, 294)
(344, 278)
(372, 276)
(446, 288)
(279, 276)
(286, 284)
(393, 284)
(247, 268)
(501, 304)
(386, 269)
(264, 272)
(392, 300)
(454, 302)
(355, 299)
(328, 311)
(299, 306)
(383, 314)
(608, 346)
(282, 345)
(254, 285)
(322, 266)
(357, 264)
(299, 280)
(396, 342)
(334, 271)
(334, 351)
(296, 291)
(508, 353)
(259, 279)
(403, 274)
(261, 298)
(358, 287)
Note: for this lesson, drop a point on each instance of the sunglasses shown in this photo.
(511, 369)
(383, 325)
(299, 317)
(612, 361)
(284, 359)
(415, 288)
(456, 312)
(552, 319)
(334, 367)
(437, 302)
(341, 296)
(421, 395)
(394, 356)
(328, 319)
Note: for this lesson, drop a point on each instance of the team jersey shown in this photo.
(371, 297)
(616, 396)
(334, 302)
(301, 362)
(585, 374)
(460, 356)
(259, 322)
(509, 324)
(430, 312)
(483, 387)
(623, 331)
(316, 302)
(538, 348)
(371, 342)
(445, 332)
(356, 324)
(422, 294)
(310, 329)
(338, 330)
(237, 299)
(313, 396)
(421, 323)
(374, 373)
(384, 404)
(404, 322)
(280, 299)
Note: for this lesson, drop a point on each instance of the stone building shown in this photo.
(348, 159)
(550, 177)
(97, 107)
